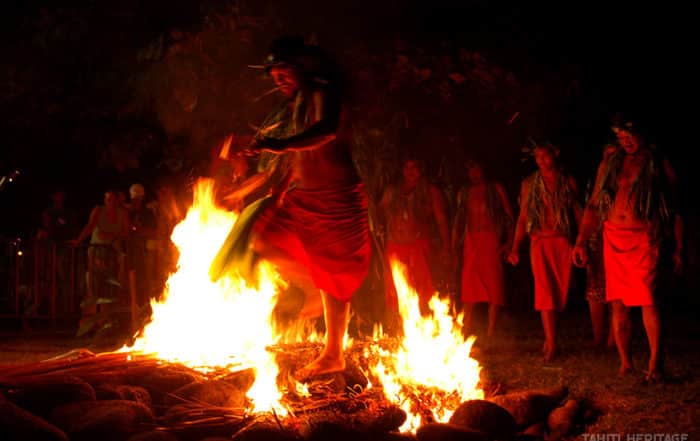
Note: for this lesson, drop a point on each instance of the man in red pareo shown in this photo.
(484, 224)
(634, 197)
(410, 211)
(317, 232)
(549, 214)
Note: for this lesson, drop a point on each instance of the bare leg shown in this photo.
(549, 326)
(467, 311)
(611, 333)
(336, 314)
(313, 304)
(598, 313)
(652, 325)
(493, 318)
(621, 327)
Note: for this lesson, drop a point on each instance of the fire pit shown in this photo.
(211, 364)
(126, 396)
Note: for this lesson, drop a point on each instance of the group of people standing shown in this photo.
(617, 235)
(313, 222)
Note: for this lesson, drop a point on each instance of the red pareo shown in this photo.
(631, 260)
(482, 270)
(550, 257)
(327, 231)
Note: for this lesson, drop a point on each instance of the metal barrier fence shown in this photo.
(57, 282)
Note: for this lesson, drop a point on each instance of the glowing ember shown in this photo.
(209, 325)
(432, 361)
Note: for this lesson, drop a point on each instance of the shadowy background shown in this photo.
(102, 94)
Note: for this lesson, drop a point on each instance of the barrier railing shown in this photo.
(60, 283)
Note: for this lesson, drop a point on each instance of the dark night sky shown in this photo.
(633, 56)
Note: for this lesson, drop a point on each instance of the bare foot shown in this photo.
(654, 377)
(549, 354)
(324, 364)
(624, 371)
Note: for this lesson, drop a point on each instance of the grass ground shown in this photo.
(513, 361)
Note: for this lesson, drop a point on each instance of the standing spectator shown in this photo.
(409, 212)
(58, 225)
(595, 284)
(484, 222)
(548, 214)
(107, 228)
(142, 228)
(634, 196)
(58, 222)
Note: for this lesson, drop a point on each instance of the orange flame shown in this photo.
(432, 361)
(208, 325)
(228, 325)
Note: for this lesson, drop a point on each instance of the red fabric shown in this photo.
(327, 231)
(550, 258)
(630, 261)
(482, 269)
(414, 255)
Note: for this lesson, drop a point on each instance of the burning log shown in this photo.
(530, 407)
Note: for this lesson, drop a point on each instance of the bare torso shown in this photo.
(478, 217)
(327, 165)
(622, 209)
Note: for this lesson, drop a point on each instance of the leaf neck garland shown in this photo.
(650, 194)
(560, 200)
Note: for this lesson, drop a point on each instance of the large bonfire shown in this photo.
(228, 325)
